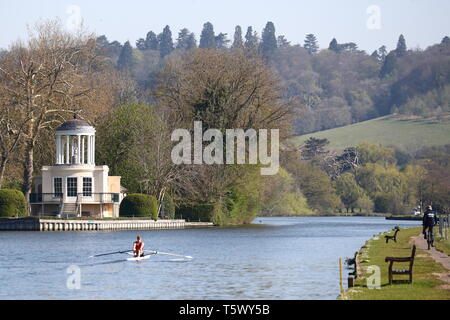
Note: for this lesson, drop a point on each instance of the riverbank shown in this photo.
(427, 272)
(38, 224)
(388, 216)
(405, 218)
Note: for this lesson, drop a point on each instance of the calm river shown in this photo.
(277, 258)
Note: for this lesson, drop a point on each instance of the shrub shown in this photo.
(382, 203)
(12, 203)
(168, 207)
(139, 205)
(197, 212)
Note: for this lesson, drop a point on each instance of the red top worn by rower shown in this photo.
(138, 247)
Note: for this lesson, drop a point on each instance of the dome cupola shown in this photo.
(75, 143)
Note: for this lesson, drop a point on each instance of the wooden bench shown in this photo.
(394, 237)
(409, 271)
(353, 262)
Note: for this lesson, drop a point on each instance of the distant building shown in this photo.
(75, 186)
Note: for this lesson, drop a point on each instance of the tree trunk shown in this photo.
(28, 172)
(162, 193)
(3, 163)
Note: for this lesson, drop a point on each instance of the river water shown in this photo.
(276, 258)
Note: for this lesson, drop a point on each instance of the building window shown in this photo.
(72, 187)
(57, 187)
(87, 187)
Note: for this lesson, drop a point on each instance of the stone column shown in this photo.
(88, 159)
(79, 150)
(90, 149)
(93, 149)
(67, 150)
(57, 150)
(82, 149)
(60, 154)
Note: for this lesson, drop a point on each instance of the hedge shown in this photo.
(139, 205)
(12, 203)
(197, 212)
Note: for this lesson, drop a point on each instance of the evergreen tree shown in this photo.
(314, 148)
(186, 40)
(140, 44)
(102, 41)
(191, 42)
(389, 64)
(375, 55)
(334, 46)
(282, 42)
(166, 43)
(251, 39)
(269, 40)
(238, 42)
(208, 37)
(401, 46)
(382, 52)
(221, 41)
(446, 40)
(349, 47)
(311, 44)
(182, 38)
(108, 48)
(151, 42)
(125, 61)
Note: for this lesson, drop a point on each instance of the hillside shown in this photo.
(407, 133)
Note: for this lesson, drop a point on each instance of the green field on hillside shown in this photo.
(409, 134)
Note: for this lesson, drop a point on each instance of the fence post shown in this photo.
(340, 276)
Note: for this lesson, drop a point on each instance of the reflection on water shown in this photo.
(279, 258)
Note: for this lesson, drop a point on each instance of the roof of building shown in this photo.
(73, 125)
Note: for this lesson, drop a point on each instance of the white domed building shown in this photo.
(75, 186)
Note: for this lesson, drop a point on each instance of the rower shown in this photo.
(138, 247)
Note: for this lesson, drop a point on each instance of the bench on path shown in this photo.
(353, 262)
(394, 237)
(408, 271)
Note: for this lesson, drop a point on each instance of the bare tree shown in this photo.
(53, 75)
(224, 90)
(11, 127)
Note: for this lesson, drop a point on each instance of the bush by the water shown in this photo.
(12, 203)
(197, 212)
(168, 207)
(139, 205)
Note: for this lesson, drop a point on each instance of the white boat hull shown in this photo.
(139, 258)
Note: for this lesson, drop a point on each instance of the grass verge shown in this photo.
(425, 286)
(442, 244)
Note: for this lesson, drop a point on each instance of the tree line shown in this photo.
(136, 97)
(328, 87)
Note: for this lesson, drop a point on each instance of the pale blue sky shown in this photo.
(423, 22)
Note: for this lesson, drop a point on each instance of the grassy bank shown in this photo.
(442, 244)
(406, 133)
(425, 286)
